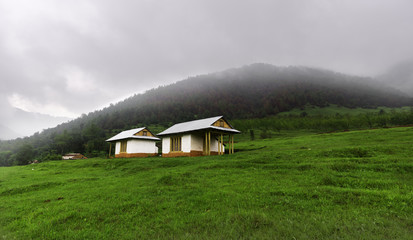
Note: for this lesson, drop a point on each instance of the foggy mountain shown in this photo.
(255, 90)
(252, 91)
(20, 123)
(400, 77)
(6, 133)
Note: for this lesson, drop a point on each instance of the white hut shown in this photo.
(198, 138)
(139, 142)
(72, 156)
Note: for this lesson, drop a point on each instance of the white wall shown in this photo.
(186, 143)
(166, 144)
(214, 145)
(185, 147)
(140, 146)
(117, 148)
(197, 142)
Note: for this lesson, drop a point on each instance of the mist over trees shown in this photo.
(253, 91)
(17, 121)
(400, 77)
(7, 133)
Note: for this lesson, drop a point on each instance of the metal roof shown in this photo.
(130, 134)
(196, 125)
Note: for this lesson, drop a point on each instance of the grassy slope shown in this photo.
(351, 185)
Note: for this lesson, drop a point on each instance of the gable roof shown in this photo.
(128, 134)
(197, 125)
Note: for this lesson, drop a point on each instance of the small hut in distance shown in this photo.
(72, 156)
(138, 142)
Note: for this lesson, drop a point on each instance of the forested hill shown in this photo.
(256, 90)
(251, 91)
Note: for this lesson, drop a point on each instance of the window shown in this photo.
(123, 145)
(145, 133)
(176, 144)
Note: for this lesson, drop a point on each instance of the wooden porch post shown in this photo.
(209, 143)
(110, 149)
(219, 146)
(229, 144)
(206, 141)
(207, 149)
(232, 143)
(222, 144)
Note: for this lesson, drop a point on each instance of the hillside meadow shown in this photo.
(348, 185)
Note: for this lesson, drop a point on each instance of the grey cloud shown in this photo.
(122, 48)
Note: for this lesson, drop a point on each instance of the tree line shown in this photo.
(326, 123)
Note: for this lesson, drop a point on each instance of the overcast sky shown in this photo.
(65, 58)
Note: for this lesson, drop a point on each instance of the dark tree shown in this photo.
(24, 155)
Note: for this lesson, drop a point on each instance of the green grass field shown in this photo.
(349, 185)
